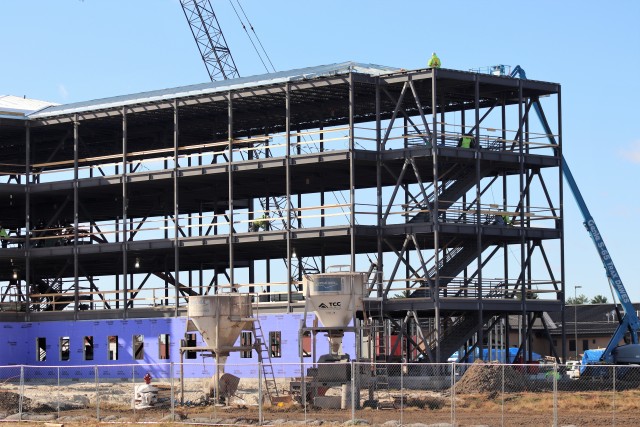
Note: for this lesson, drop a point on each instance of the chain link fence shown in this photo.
(389, 394)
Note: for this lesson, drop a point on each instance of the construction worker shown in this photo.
(3, 236)
(466, 141)
(434, 62)
(260, 223)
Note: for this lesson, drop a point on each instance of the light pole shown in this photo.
(575, 315)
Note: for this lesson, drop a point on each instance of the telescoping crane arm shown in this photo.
(629, 321)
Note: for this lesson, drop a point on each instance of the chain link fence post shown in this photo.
(21, 392)
(502, 397)
(555, 394)
(58, 394)
(353, 392)
(614, 394)
(303, 397)
(453, 393)
(173, 392)
(260, 397)
(403, 366)
(133, 385)
(95, 372)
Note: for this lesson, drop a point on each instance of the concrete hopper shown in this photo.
(335, 297)
(221, 318)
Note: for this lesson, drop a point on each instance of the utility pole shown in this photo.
(575, 315)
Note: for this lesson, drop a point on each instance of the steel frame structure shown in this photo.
(105, 201)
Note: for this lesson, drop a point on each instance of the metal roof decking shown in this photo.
(216, 87)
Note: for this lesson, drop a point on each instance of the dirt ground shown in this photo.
(478, 401)
(475, 411)
(375, 417)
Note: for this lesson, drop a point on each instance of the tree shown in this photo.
(599, 299)
(404, 294)
(579, 300)
(529, 295)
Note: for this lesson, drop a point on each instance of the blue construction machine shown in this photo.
(627, 330)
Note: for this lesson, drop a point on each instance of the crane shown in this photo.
(217, 58)
(208, 35)
(629, 322)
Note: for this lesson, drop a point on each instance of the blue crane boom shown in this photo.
(613, 353)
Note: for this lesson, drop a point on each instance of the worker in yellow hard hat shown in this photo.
(434, 62)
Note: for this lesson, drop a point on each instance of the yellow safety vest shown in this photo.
(466, 142)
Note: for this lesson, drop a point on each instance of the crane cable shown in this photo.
(249, 36)
(256, 35)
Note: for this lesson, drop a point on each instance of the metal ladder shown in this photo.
(264, 357)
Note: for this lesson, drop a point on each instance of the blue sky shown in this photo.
(72, 50)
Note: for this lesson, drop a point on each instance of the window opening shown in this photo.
(88, 348)
(190, 341)
(64, 348)
(246, 340)
(275, 343)
(306, 344)
(41, 349)
(163, 346)
(138, 347)
(112, 344)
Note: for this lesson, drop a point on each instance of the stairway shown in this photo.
(450, 190)
(46, 303)
(264, 357)
(457, 334)
(449, 266)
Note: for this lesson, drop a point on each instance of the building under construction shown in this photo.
(441, 184)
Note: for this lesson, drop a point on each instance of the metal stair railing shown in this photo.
(426, 215)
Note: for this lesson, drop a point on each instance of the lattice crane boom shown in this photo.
(211, 43)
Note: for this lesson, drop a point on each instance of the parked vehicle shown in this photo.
(573, 369)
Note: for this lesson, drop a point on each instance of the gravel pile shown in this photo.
(9, 402)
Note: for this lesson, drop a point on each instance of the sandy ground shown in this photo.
(78, 404)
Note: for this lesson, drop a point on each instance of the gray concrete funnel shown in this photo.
(220, 319)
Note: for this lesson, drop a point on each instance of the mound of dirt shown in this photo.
(10, 402)
(486, 377)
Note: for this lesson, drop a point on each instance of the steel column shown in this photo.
(27, 219)
(561, 226)
(379, 220)
(230, 188)
(76, 284)
(288, 188)
(352, 177)
(476, 103)
(125, 237)
(525, 317)
(436, 207)
(176, 210)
